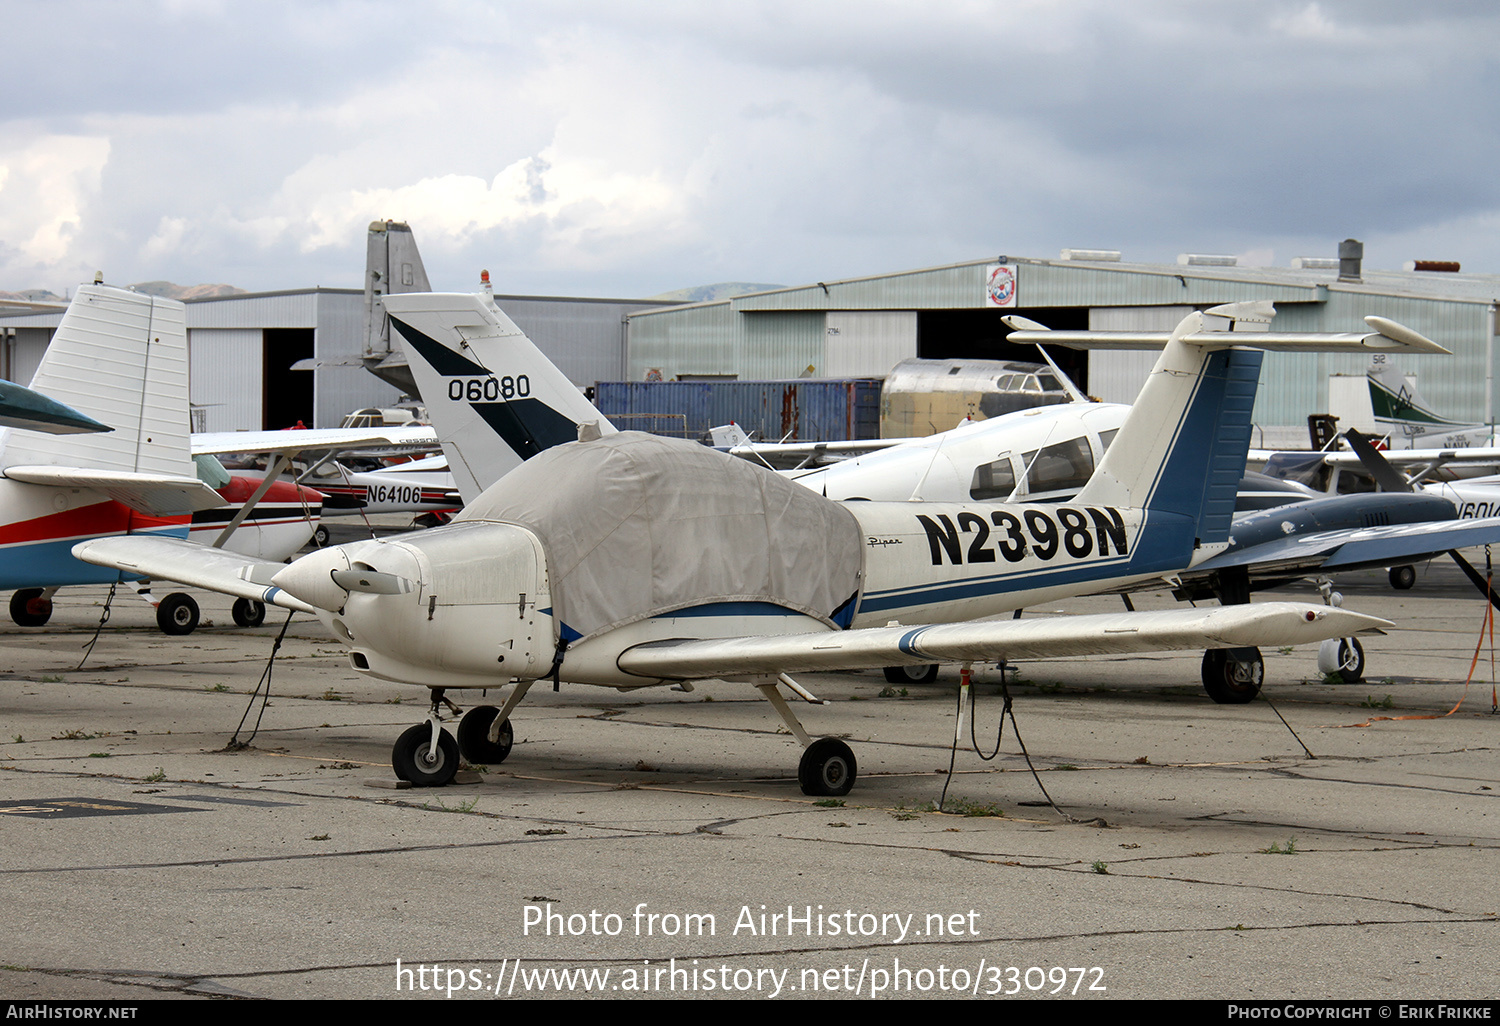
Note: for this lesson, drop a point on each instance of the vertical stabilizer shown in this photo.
(1182, 447)
(495, 400)
(121, 358)
(392, 266)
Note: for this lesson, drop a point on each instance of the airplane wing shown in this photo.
(20, 407)
(171, 559)
(1353, 549)
(153, 494)
(217, 443)
(1258, 624)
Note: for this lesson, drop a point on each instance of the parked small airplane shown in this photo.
(123, 357)
(629, 560)
(120, 358)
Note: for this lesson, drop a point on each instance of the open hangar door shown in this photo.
(980, 335)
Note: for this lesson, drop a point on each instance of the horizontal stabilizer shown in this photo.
(1387, 337)
(218, 443)
(171, 559)
(1263, 624)
(157, 495)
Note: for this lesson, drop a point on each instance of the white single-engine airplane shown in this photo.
(629, 560)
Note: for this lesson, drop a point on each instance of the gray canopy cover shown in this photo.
(637, 525)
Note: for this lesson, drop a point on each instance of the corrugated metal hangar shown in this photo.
(862, 327)
(243, 350)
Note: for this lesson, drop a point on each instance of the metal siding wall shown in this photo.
(584, 340)
(342, 384)
(1117, 376)
(692, 340)
(867, 344)
(780, 345)
(31, 343)
(225, 371)
(1296, 384)
(294, 310)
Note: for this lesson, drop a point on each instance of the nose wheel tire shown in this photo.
(177, 614)
(827, 769)
(248, 612)
(474, 736)
(29, 609)
(413, 763)
(320, 537)
(1344, 657)
(1233, 676)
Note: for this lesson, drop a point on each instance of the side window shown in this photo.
(1105, 437)
(993, 481)
(1067, 464)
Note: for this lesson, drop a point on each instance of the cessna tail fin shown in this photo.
(494, 398)
(119, 357)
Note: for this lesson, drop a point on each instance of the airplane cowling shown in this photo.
(461, 606)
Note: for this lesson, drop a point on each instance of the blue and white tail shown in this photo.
(494, 398)
(119, 357)
(1181, 451)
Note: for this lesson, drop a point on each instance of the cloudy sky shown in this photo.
(576, 147)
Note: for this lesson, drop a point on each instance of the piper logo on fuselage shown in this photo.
(1042, 533)
(489, 389)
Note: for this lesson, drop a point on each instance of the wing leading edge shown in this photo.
(188, 563)
(1270, 623)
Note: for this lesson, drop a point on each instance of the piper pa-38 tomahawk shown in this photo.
(629, 560)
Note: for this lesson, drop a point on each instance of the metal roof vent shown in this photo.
(1098, 256)
(1446, 266)
(1315, 263)
(1351, 259)
(1206, 260)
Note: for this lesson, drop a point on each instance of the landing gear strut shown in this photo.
(827, 768)
(426, 755)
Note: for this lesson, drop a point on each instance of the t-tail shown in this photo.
(1181, 451)
(494, 398)
(118, 357)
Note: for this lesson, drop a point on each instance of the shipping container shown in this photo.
(806, 409)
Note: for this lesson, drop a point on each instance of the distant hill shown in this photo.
(151, 288)
(171, 291)
(709, 293)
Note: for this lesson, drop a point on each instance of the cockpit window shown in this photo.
(993, 480)
(1067, 464)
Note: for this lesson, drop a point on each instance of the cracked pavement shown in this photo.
(1198, 851)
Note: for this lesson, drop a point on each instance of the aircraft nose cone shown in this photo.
(310, 578)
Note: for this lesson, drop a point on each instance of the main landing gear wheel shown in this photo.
(474, 736)
(1403, 577)
(177, 614)
(827, 769)
(320, 537)
(1233, 676)
(911, 674)
(248, 612)
(412, 762)
(1344, 657)
(28, 608)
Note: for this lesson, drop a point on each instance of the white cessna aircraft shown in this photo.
(629, 561)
